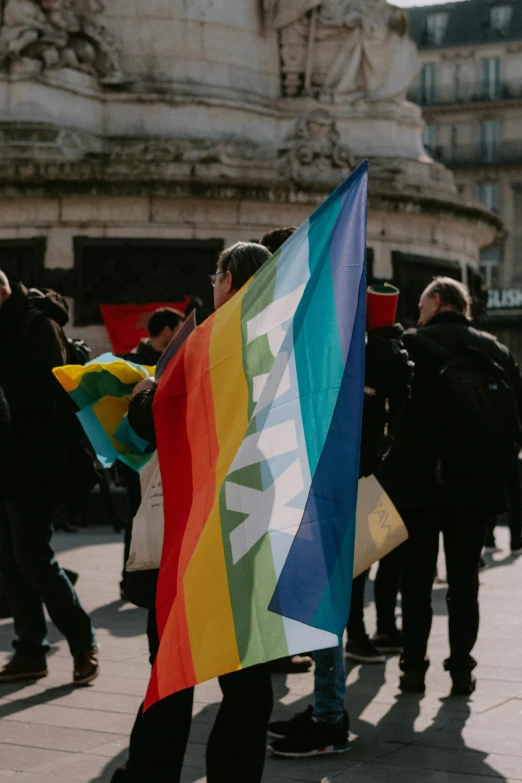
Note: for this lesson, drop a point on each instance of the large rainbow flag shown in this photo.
(258, 421)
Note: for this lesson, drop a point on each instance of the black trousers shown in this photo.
(387, 585)
(356, 627)
(32, 578)
(514, 500)
(236, 748)
(463, 530)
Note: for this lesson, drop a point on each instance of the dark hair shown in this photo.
(242, 260)
(164, 316)
(277, 237)
(452, 294)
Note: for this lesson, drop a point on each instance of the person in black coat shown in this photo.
(5, 419)
(5, 423)
(433, 500)
(33, 471)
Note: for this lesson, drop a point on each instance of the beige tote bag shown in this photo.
(379, 528)
(147, 526)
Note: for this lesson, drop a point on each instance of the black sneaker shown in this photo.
(282, 728)
(313, 739)
(389, 642)
(413, 681)
(364, 651)
(464, 683)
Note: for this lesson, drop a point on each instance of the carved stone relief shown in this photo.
(316, 153)
(40, 35)
(32, 141)
(341, 51)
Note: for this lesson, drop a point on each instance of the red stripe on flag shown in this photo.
(187, 447)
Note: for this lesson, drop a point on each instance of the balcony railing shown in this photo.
(472, 92)
(504, 152)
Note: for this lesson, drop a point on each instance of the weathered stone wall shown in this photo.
(427, 229)
(199, 47)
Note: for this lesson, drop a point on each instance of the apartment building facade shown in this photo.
(470, 90)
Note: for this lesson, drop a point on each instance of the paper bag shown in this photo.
(379, 528)
(147, 526)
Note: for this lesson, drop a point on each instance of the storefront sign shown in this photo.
(504, 298)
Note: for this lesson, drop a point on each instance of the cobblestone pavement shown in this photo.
(50, 731)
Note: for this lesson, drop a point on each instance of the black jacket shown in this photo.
(144, 353)
(387, 378)
(409, 473)
(141, 417)
(31, 345)
(5, 420)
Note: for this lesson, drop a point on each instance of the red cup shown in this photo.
(381, 306)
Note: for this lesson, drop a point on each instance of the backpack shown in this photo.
(78, 352)
(478, 419)
(387, 383)
(54, 306)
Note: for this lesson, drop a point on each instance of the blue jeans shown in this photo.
(32, 577)
(329, 685)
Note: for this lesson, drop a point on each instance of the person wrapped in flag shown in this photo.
(264, 406)
(159, 737)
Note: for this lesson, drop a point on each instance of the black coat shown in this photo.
(144, 353)
(409, 473)
(31, 345)
(5, 420)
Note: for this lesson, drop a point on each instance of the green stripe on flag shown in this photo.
(252, 579)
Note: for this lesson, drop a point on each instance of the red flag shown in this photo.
(127, 323)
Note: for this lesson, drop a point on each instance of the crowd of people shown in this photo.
(441, 431)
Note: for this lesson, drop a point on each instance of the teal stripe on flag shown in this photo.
(99, 439)
(318, 349)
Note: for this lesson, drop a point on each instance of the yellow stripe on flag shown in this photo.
(207, 598)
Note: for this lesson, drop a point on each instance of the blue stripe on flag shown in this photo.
(315, 584)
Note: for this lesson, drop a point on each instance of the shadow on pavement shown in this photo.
(118, 621)
(20, 705)
(111, 768)
(98, 535)
(392, 742)
(508, 560)
(440, 748)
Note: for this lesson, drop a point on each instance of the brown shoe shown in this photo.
(86, 667)
(19, 669)
(294, 664)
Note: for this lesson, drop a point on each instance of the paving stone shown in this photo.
(79, 766)
(31, 777)
(18, 758)
(51, 731)
(375, 773)
(52, 737)
(112, 723)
